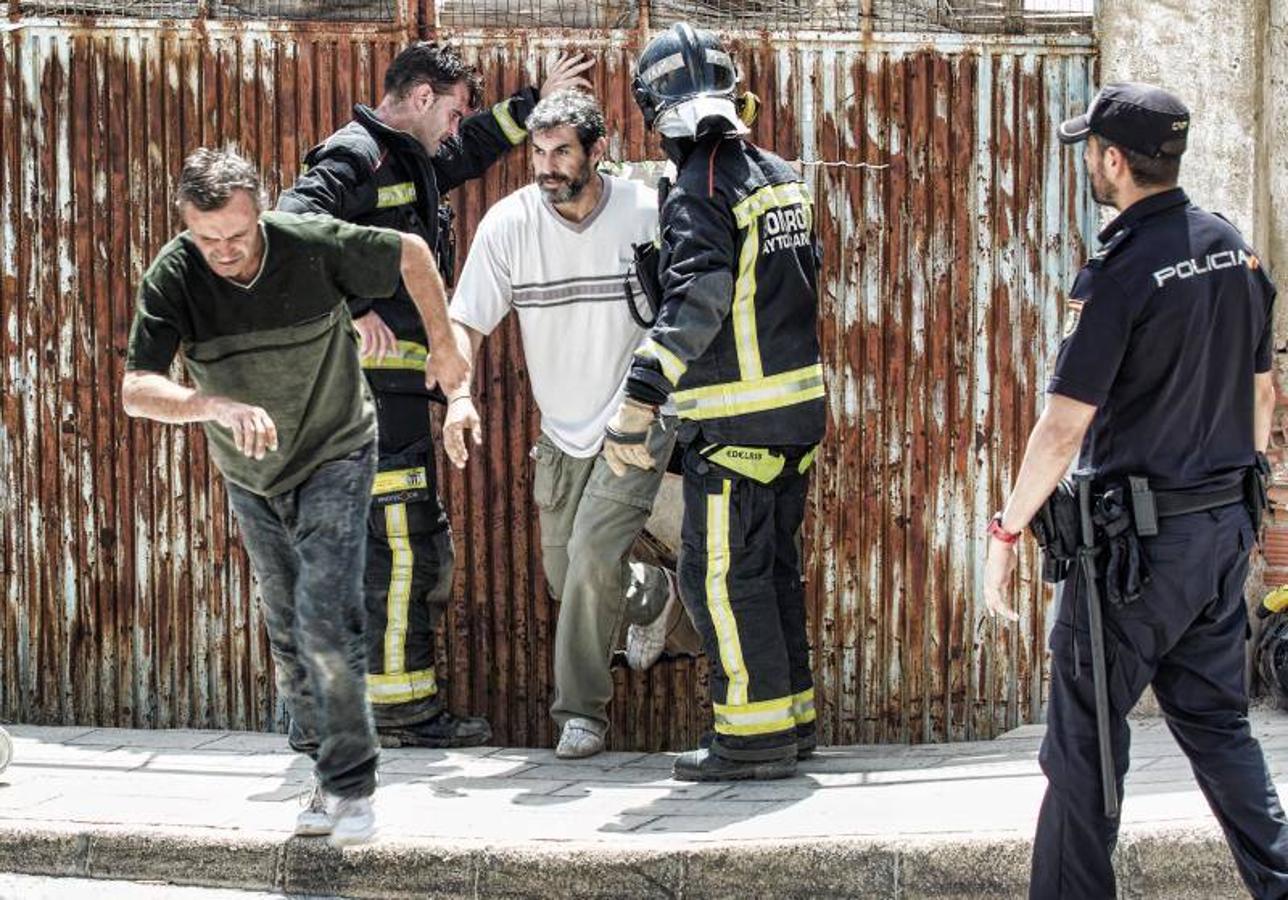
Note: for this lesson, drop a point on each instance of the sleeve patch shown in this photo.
(1072, 315)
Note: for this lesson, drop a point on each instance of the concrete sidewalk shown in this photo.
(217, 808)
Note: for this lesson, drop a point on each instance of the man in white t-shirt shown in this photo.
(558, 253)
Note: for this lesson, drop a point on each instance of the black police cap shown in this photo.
(1137, 116)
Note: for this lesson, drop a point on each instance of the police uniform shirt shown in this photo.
(1164, 329)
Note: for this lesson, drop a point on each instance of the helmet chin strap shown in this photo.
(644, 101)
(712, 125)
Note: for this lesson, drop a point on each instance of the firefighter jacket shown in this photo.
(371, 174)
(735, 343)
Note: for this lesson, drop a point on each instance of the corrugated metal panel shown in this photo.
(944, 274)
(127, 599)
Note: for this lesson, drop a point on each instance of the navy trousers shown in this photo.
(1185, 636)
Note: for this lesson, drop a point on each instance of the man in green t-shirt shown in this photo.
(255, 303)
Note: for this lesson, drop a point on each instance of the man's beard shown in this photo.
(565, 189)
(1101, 190)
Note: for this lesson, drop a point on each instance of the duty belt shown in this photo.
(1180, 503)
(1122, 512)
(758, 463)
(1148, 505)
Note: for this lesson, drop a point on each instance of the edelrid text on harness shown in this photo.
(760, 464)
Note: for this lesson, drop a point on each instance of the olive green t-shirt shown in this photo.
(284, 341)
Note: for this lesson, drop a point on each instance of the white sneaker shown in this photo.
(353, 820)
(313, 820)
(580, 738)
(644, 643)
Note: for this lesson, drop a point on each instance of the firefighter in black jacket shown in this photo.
(390, 167)
(735, 348)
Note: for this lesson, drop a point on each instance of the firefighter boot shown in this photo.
(442, 731)
(806, 740)
(703, 765)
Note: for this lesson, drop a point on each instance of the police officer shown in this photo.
(1164, 374)
(389, 167)
(735, 347)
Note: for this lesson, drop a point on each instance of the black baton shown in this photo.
(1099, 680)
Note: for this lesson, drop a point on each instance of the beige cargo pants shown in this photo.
(589, 519)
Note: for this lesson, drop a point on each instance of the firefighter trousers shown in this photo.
(408, 574)
(740, 578)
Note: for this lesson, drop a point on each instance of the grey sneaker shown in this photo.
(313, 820)
(580, 738)
(353, 821)
(644, 643)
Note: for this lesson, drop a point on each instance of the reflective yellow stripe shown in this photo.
(510, 128)
(747, 215)
(806, 461)
(803, 707)
(756, 463)
(672, 366)
(761, 717)
(744, 306)
(395, 194)
(396, 481)
(409, 355)
(398, 599)
(402, 687)
(740, 397)
(717, 586)
(773, 196)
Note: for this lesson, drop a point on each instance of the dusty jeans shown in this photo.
(306, 546)
(589, 520)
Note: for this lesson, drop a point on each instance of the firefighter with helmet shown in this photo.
(735, 348)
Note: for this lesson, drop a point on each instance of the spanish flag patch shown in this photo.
(1072, 314)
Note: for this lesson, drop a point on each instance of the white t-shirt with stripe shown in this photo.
(566, 282)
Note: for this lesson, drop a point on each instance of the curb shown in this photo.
(1177, 863)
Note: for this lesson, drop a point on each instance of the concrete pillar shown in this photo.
(1272, 240)
(1228, 60)
(1208, 53)
(1272, 233)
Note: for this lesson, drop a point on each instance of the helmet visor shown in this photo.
(670, 79)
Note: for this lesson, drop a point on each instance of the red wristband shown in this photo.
(996, 531)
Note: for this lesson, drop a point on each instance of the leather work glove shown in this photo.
(625, 439)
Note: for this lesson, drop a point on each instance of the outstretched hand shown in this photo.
(461, 417)
(377, 340)
(254, 433)
(998, 567)
(446, 367)
(566, 75)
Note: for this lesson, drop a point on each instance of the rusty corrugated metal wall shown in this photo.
(127, 599)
